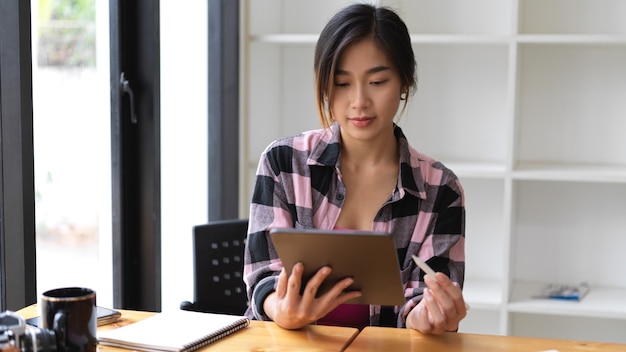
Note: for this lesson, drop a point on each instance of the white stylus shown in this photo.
(429, 271)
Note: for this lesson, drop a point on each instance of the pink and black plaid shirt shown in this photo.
(298, 185)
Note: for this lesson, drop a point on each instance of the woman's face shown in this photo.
(367, 91)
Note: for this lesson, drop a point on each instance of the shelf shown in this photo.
(459, 39)
(570, 39)
(570, 172)
(600, 302)
(524, 101)
(280, 38)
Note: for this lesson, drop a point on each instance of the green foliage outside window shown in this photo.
(67, 33)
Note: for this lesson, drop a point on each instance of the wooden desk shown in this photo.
(267, 336)
(259, 336)
(391, 339)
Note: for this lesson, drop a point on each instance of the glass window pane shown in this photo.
(71, 132)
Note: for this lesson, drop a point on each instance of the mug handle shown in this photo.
(60, 326)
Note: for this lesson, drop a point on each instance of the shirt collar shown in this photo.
(327, 150)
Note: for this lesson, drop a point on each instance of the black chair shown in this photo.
(218, 250)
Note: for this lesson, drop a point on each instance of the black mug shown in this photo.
(71, 313)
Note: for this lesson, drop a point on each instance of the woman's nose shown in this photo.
(360, 97)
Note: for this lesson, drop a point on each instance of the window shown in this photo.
(71, 133)
(132, 46)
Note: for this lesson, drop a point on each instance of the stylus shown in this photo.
(429, 271)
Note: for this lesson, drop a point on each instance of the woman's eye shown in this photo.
(341, 84)
(377, 83)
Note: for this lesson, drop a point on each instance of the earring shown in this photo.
(404, 95)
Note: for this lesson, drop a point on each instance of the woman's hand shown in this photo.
(290, 310)
(441, 309)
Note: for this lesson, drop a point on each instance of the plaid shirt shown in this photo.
(298, 185)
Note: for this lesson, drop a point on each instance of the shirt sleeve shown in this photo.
(443, 245)
(268, 209)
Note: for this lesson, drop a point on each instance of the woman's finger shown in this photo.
(436, 316)
(338, 294)
(456, 294)
(422, 319)
(441, 295)
(313, 285)
(450, 297)
(281, 285)
(294, 282)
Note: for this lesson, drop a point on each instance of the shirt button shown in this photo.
(339, 196)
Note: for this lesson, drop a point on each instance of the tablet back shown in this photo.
(369, 257)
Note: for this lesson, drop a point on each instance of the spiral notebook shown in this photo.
(175, 331)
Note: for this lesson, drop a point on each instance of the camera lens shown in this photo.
(15, 336)
(39, 340)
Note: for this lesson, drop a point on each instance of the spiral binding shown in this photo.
(227, 330)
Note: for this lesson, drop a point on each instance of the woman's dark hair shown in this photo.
(351, 25)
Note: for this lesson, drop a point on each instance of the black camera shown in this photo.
(16, 336)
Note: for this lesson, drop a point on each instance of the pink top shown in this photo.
(349, 315)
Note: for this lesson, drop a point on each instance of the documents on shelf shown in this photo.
(565, 292)
(175, 331)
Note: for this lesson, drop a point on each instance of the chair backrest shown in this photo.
(218, 267)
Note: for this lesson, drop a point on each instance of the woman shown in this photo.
(359, 172)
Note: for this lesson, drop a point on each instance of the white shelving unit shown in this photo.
(526, 101)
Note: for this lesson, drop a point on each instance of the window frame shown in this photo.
(17, 208)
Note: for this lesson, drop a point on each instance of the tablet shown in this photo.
(104, 316)
(369, 257)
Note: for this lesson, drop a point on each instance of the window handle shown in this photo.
(125, 87)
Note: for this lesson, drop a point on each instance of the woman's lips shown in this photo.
(361, 121)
